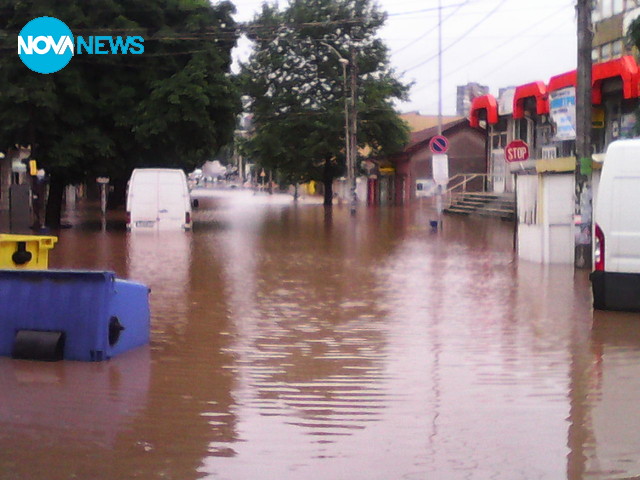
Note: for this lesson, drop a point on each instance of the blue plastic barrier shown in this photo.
(70, 314)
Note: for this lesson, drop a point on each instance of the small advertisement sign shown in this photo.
(505, 101)
(562, 108)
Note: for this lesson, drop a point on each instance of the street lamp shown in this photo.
(350, 160)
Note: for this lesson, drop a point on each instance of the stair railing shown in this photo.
(457, 186)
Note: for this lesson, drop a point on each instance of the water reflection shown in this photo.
(59, 418)
(162, 261)
(307, 353)
(190, 332)
(612, 445)
(298, 342)
(490, 368)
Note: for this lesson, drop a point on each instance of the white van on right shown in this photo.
(615, 280)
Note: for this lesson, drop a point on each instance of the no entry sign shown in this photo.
(439, 144)
(516, 151)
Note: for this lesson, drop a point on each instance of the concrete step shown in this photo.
(457, 211)
(466, 208)
(491, 212)
(481, 196)
(472, 202)
(484, 204)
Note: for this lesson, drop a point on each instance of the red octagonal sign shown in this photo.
(516, 151)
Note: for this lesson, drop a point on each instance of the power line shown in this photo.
(432, 9)
(503, 62)
(459, 39)
(459, 5)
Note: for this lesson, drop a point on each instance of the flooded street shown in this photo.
(289, 342)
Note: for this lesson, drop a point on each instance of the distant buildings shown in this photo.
(611, 20)
(402, 177)
(466, 94)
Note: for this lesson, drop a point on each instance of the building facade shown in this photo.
(407, 175)
(542, 114)
(611, 20)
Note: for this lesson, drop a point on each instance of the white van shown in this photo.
(158, 199)
(616, 277)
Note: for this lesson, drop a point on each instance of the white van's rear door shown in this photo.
(144, 202)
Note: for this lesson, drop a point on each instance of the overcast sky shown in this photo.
(497, 43)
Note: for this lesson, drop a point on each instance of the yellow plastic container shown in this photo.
(25, 252)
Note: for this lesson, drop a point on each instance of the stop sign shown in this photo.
(516, 151)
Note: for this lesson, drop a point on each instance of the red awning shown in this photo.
(563, 80)
(487, 103)
(538, 90)
(625, 68)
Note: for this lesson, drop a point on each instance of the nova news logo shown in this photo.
(46, 45)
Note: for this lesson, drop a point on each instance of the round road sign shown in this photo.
(439, 144)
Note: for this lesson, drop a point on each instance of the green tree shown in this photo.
(174, 105)
(633, 34)
(296, 87)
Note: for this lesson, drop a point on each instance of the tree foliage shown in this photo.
(296, 85)
(174, 105)
(633, 34)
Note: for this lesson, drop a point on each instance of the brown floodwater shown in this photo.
(292, 342)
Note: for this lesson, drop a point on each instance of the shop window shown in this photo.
(524, 130)
(613, 116)
(628, 125)
(498, 140)
(616, 48)
(596, 14)
(566, 148)
(598, 122)
(521, 129)
(498, 134)
(548, 153)
(544, 134)
(618, 6)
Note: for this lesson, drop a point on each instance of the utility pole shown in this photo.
(347, 122)
(439, 200)
(353, 132)
(583, 212)
(439, 67)
(583, 219)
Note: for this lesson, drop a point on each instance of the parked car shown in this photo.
(158, 199)
(616, 276)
